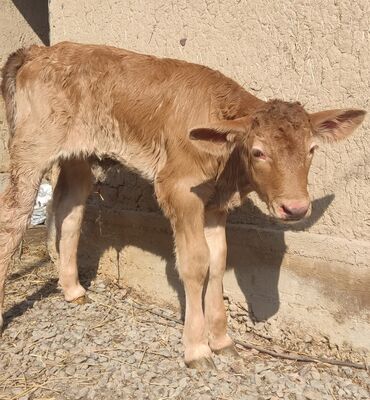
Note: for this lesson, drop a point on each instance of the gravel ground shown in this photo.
(114, 348)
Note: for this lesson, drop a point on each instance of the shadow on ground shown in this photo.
(257, 267)
(34, 258)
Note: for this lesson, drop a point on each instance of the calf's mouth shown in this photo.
(291, 211)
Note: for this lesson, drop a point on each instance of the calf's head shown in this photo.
(277, 143)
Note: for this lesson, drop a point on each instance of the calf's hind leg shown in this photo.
(70, 195)
(16, 205)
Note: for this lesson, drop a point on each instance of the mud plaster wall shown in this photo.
(314, 51)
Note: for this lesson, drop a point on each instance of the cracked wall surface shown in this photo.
(316, 52)
(313, 51)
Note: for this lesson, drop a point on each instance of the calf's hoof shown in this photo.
(229, 351)
(73, 293)
(202, 364)
(80, 300)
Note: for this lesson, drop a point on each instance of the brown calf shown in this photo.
(203, 141)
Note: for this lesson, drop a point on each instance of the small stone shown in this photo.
(258, 380)
(311, 394)
(363, 393)
(318, 385)
(50, 334)
(307, 339)
(99, 340)
(315, 374)
(259, 326)
(271, 377)
(348, 371)
(82, 393)
(37, 335)
(183, 382)
(70, 370)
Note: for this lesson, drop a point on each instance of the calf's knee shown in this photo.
(194, 266)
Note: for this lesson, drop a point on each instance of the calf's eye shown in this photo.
(259, 154)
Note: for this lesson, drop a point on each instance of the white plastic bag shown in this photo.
(43, 197)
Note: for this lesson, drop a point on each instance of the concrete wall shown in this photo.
(316, 51)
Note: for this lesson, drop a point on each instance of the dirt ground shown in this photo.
(121, 346)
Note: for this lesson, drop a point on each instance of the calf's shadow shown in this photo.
(255, 254)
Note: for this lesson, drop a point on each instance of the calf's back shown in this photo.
(132, 107)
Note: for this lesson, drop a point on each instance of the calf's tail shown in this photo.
(8, 86)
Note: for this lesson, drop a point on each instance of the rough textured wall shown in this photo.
(21, 24)
(314, 51)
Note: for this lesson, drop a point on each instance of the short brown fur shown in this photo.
(203, 141)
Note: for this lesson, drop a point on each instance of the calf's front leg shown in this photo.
(215, 314)
(193, 263)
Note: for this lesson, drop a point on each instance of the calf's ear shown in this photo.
(218, 138)
(334, 125)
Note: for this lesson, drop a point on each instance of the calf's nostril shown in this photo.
(287, 210)
(295, 210)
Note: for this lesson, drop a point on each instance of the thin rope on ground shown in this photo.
(260, 349)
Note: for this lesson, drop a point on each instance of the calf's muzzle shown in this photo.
(294, 210)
